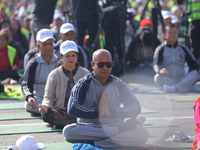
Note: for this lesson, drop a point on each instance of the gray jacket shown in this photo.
(173, 59)
(56, 86)
(35, 76)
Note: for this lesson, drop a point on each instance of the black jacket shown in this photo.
(180, 2)
(85, 7)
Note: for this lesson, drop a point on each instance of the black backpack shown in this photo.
(112, 12)
(144, 36)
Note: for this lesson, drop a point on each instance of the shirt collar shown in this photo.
(67, 72)
(41, 60)
(110, 77)
(171, 45)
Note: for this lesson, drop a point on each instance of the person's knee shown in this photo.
(143, 136)
(48, 117)
(69, 132)
(195, 72)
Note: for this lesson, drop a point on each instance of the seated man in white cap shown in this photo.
(58, 20)
(166, 16)
(167, 20)
(174, 20)
(37, 71)
(131, 24)
(67, 32)
(176, 10)
(32, 52)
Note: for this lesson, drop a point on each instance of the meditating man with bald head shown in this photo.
(105, 108)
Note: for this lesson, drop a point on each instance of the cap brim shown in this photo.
(41, 146)
(70, 50)
(46, 38)
(174, 21)
(65, 31)
(166, 17)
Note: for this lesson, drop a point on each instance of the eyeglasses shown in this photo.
(101, 64)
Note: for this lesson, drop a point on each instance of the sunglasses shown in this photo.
(101, 64)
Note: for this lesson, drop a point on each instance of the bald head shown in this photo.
(101, 60)
(101, 53)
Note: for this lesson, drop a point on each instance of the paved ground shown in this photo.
(180, 113)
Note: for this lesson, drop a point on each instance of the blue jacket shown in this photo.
(86, 94)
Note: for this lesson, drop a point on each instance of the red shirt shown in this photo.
(4, 61)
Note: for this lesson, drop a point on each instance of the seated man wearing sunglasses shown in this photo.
(105, 107)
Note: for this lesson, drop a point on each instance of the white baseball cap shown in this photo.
(174, 9)
(174, 19)
(44, 34)
(58, 16)
(66, 27)
(68, 46)
(28, 142)
(166, 14)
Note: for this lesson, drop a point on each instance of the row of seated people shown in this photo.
(72, 98)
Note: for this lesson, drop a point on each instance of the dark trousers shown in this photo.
(194, 30)
(114, 38)
(1, 88)
(57, 117)
(83, 24)
(9, 74)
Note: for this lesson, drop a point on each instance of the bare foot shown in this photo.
(48, 125)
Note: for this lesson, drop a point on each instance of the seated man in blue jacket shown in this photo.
(105, 107)
(169, 63)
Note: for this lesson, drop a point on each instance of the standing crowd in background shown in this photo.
(113, 25)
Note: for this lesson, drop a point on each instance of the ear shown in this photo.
(60, 36)
(164, 34)
(92, 64)
(38, 46)
(61, 57)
